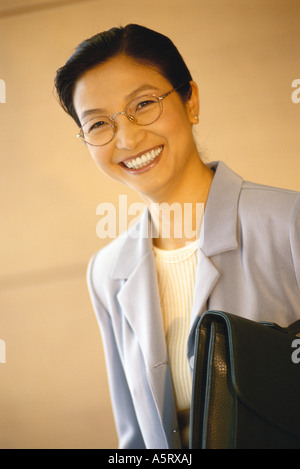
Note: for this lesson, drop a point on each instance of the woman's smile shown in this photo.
(143, 161)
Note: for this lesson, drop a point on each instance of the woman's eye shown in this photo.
(144, 104)
(99, 125)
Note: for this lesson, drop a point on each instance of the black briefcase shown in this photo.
(246, 384)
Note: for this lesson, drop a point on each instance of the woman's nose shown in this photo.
(128, 134)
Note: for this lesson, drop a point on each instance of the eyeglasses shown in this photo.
(144, 110)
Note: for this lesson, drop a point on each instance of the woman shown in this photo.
(135, 102)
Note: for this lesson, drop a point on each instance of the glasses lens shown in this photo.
(98, 131)
(144, 110)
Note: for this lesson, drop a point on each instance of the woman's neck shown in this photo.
(177, 211)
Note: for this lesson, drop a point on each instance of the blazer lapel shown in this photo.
(139, 296)
(140, 303)
(218, 235)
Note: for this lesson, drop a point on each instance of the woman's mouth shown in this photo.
(143, 160)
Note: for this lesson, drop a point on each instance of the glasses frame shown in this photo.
(112, 118)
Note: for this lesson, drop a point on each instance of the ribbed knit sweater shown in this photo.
(176, 273)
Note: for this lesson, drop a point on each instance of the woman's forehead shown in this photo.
(123, 69)
(119, 79)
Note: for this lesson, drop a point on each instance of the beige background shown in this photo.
(244, 56)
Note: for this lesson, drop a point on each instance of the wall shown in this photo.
(244, 56)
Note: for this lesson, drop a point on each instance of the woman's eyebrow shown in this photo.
(140, 89)
(88, 112)
(136, 92)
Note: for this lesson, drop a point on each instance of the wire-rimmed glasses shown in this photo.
(144, 110)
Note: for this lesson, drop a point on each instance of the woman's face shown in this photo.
(168, 143)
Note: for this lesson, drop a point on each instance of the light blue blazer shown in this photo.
(249, 265)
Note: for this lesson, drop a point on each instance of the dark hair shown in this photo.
(146, 46)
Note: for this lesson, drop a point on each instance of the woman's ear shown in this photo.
(193, 104)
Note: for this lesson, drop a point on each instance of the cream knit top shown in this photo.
(176, 273)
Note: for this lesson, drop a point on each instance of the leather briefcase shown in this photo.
(246, 384)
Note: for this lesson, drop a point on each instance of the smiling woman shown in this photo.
(135, 103)
(155, 127)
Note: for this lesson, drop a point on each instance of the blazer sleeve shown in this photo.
(295, 239)
(127, 426)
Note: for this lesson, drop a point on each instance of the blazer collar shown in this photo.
(219, 230)
(135, 244)
(218, 235)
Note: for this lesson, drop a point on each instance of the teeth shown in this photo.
(143, 160)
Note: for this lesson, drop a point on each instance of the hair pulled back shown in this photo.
(144, 45)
